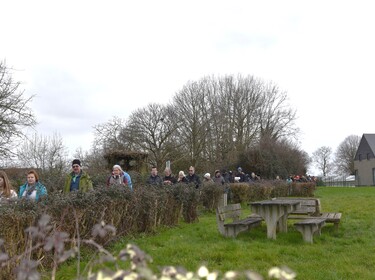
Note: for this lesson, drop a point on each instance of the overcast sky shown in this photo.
(87, 61)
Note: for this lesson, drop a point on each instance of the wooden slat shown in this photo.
(311, 221)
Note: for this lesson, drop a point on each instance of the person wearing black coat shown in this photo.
(193, 178)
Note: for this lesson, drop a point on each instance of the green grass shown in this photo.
(347, 254)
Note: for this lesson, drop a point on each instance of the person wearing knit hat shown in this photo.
(77, 180)
(76, 161)
(207, 178)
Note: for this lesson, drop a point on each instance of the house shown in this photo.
(364, 161)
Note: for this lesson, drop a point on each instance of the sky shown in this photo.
(88, 61)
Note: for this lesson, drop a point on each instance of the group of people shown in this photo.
(76, 180)
(79, 180)
(32, 189)
(169, 179)
(191, 177)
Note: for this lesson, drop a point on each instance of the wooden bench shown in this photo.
(310, 227)
(311, 208)
(237, 225)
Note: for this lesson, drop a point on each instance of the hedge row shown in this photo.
(143, 210)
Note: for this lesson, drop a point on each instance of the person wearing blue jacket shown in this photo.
(32, 189)
(129, 179)
(119, 177)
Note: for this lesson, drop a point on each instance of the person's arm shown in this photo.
(129, 180)
(68, 180)
(42, 190)
(90, 186)
(124, 180)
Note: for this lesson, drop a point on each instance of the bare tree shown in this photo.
(190, 104)
(109, 135)
(43, 152)
(223, 117)
(241, 99)
(211, 123)
(322, 159)
(345, 154)
(152, 130)
(276, 118)
(14, 111)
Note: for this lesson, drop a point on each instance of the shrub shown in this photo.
(53, 243)
(142, 210)
(245, 192)
(211, 195)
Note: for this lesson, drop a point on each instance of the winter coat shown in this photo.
(39, 187)
(85, 183)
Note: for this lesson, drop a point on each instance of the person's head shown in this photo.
(76, 166)
(239, 169)
(217, 173)
(5, 185)
(181, 174)
(116, 170)
(154, 171)
(32, 177)
(207, 176)
(167, 171)
(191, 170)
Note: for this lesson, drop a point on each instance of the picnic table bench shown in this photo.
(312, 218)
(237, 225)
(309, 227)
(311, 209)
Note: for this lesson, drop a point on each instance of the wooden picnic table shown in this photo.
(275, 212)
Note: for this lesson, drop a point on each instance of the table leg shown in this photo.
(272, 216)
(283, 223)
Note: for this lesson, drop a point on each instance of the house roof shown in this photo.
(366, 145)
(370, 138)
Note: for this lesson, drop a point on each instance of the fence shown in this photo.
(338, 181)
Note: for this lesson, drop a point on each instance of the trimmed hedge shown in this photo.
(142, 210)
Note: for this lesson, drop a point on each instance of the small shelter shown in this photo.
(129, 160)
(364, 161)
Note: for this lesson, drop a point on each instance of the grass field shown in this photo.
(347, 254)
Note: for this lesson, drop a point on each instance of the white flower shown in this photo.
(230, 274)
(131, 276)
(274, 272)
(101, 276)
(212, 276)
(288, 275)
(203, 272)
